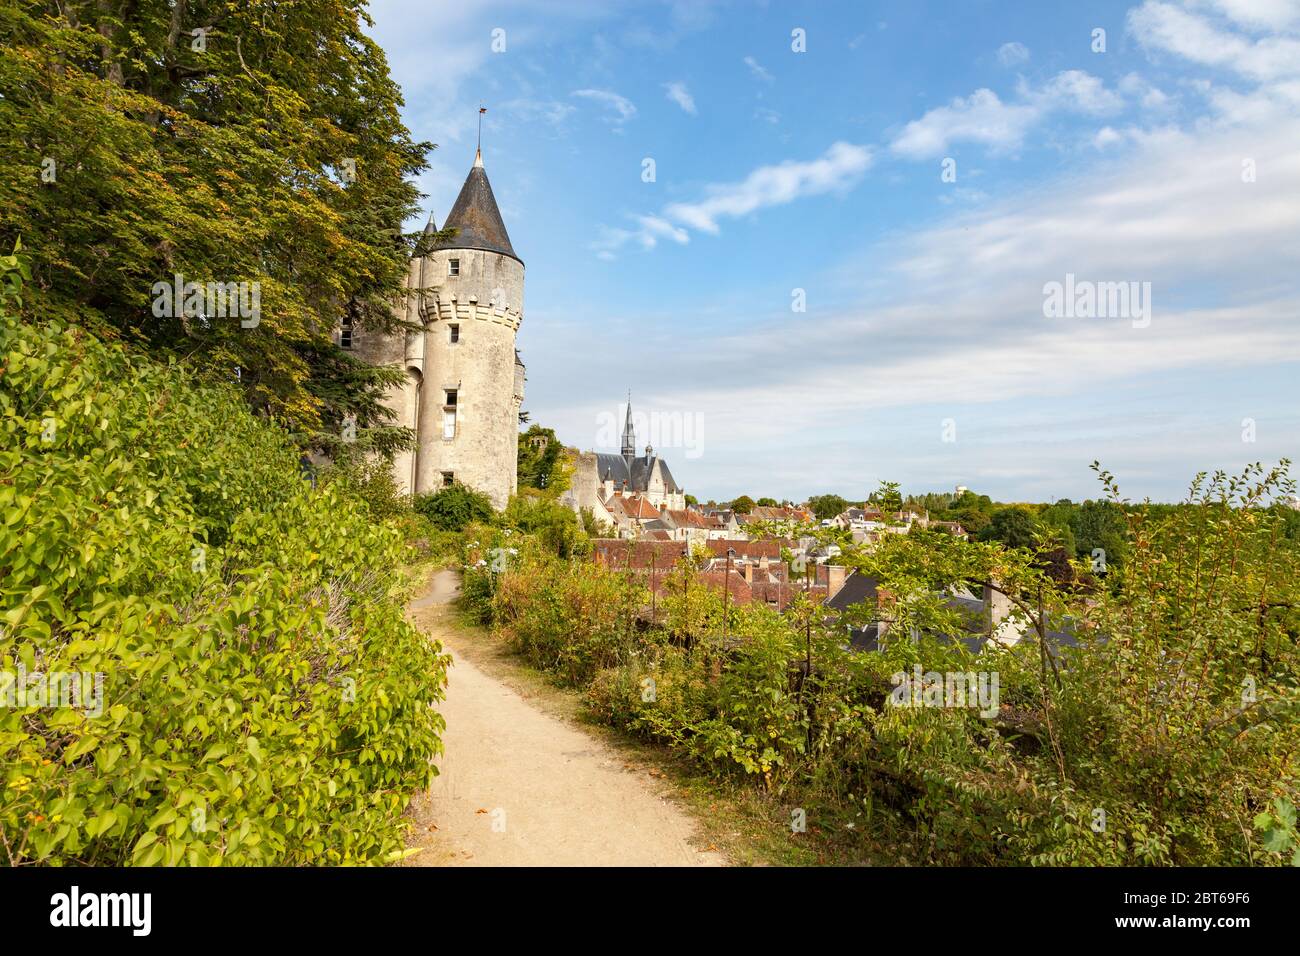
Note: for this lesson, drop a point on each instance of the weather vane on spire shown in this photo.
(481, 110)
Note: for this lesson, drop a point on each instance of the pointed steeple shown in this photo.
(476, 217)
(629, 435)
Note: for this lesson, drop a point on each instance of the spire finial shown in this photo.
(478, 152)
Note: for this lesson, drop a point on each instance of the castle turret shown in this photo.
(471, 309)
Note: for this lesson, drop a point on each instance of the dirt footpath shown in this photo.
(520, 787)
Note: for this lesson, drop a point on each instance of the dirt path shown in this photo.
(520, 787)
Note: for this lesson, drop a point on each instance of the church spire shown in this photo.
(629, 435)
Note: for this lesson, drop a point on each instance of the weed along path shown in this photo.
(522, 787)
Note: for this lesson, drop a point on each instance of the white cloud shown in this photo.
(623, 108)
(978, 118)
(1076, 91)
(837, 168)
(649, 230)
(1107, 136)
(1165, 27)
(552, 112)
(654, 227)
(1013, 53)
(984, 118)
(757, 69)
(1136, 86)
(679, 94)
(1257, 14)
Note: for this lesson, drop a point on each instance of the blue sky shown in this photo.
(922, 353)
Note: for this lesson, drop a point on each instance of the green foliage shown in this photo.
(560, 531)
(743, 505)
(1099, 529)
(540, 460)
(258, 705)
(1277, 828)
(563, 617)
(132, 150)
(454, 507)
(888, 498)
(827, 506)
(1014, 527)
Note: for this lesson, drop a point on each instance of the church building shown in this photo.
(601, 477)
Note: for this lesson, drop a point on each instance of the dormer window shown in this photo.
(453, 267)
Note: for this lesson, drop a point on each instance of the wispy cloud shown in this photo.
(552, 112)
(622, 108)
(1013, 53)
(649, 229)
(1169, 28)
(838, 168)
(984, 118)
(679, 94)
(758, 70)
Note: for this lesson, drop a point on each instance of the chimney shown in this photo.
(835, 575)
(997, 607)
(749, 572)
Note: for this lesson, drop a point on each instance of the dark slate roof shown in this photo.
(857, 588)
(476, 218)
(612, 466)
(638, 479)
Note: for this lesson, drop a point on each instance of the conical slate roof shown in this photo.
(476, 218)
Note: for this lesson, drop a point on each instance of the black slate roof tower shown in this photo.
(476, 218)
(629, 436)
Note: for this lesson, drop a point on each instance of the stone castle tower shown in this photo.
(464, 380)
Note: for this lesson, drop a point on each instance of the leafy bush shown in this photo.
(258, 704)
(569, 619)
(454, 507)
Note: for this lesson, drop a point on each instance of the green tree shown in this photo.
(887, 497)
(767, 503)
(539, 453)
(1014, 527)
(827, 506)
(221, 141)
(742, 505)
(1100, 530)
